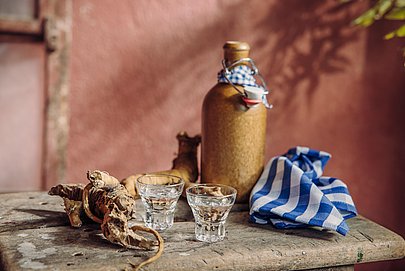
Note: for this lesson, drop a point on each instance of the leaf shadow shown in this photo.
(307, 41)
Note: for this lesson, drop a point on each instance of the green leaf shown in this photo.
(383, 7)
(400, 3)
(399, 32)
(366, 19)
(389, 35)
(396, 14)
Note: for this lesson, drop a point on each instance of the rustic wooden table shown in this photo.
(35, 234)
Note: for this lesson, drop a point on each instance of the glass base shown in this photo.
(159, 221)
(210, 232)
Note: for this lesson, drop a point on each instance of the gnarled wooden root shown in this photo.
(158, 253)
(109, 202)
(72, 198)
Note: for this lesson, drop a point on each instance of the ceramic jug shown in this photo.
(233, 128)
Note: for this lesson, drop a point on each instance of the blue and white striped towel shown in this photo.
(292, 193)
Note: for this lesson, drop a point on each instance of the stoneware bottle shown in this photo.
(233, 135)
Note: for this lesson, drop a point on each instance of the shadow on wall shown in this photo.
(299, 42)
(308, 40)
(155, 72)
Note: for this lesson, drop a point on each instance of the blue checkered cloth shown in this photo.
(292, 193)
(240, 75)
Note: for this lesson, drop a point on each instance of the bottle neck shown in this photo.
(231, 56)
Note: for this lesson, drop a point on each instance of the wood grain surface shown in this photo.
(35, 235)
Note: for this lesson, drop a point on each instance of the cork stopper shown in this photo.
(235, 50)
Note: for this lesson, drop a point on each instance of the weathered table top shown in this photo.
(35, 234)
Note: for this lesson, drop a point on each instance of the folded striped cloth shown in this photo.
(292, 193)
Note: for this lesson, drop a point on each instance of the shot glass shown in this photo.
(210, 204)
(159, 194)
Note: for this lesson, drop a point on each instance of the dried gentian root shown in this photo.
(110, 203)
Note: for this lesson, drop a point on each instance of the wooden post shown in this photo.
(57, 36)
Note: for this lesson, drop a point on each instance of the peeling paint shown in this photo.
(184, 254)
(32, 265)
(47, 237)
(30, 253)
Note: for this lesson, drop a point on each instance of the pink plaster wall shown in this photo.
(140, 70)
(22, 116)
